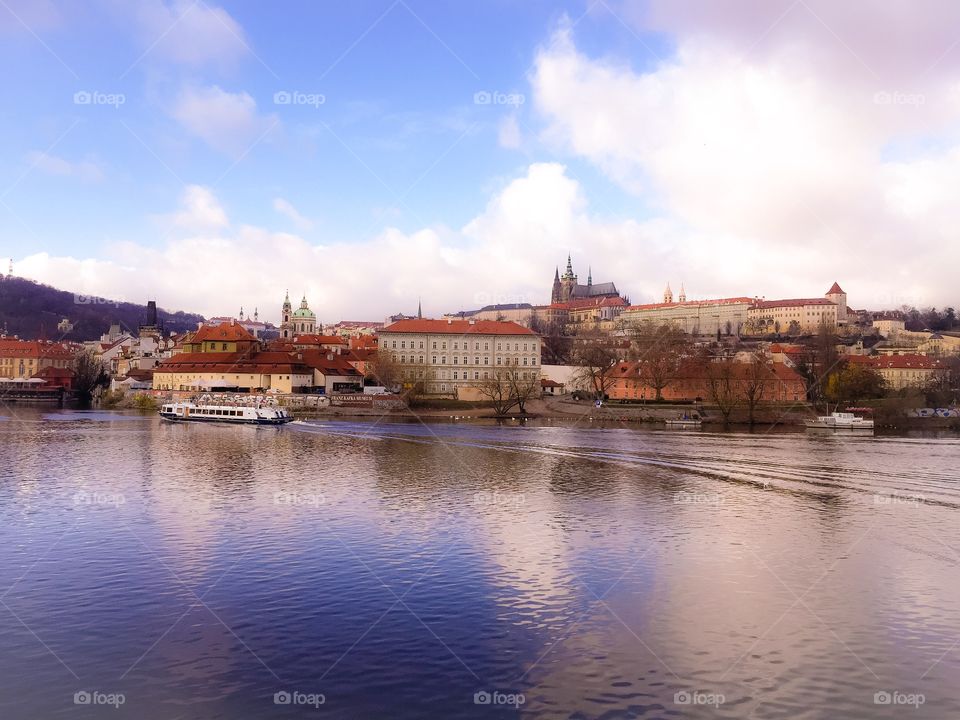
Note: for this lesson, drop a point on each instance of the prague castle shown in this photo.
(566, 287)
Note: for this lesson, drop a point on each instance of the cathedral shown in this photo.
(301, 321)
(566, 287)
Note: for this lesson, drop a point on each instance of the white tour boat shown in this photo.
(242, 414)
(840, 421)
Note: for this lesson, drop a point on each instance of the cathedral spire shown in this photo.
(556, 273)
(569, 265)
(668, 294)
(419, 308)
(683, 294)
(589, 276)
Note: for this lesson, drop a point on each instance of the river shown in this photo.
(466, 570)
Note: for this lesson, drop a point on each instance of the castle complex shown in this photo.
(566, 287)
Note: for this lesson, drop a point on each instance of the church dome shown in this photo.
(303, 312)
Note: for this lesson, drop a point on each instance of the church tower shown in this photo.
(286, 326)
(555, 293)
(568, 281)
(668, 294)
(683, 294)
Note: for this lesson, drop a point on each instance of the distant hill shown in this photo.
(32, 310)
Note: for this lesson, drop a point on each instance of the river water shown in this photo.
(385, 570)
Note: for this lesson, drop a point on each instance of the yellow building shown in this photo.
(24, 358)
(903, 371)
(802, 316)
(242, 372)
(453, 357)
(696, 317)
(226, 337)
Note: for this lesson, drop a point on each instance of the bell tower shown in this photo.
(286, 328)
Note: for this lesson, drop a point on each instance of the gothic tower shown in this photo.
(555, 293)
(668, 294)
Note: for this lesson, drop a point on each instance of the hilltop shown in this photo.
(32, 310)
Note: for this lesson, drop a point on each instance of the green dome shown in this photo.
(303, 313)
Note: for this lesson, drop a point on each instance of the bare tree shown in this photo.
(524, 389)
(722, 383)
(89, 375)
(498, 390)
(384, 369)
(595, 359)
(754, 379)
(660, 349)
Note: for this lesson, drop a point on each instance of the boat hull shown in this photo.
(227, 421)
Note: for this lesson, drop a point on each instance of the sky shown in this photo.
(375, 153)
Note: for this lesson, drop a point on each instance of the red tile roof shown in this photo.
(691, 303)
(328, 362)
(835, 289)
(224, 332)
(797, 302)
(262, 363)
(458, 327)
(898, 362)
(34, 349)
(319, 340)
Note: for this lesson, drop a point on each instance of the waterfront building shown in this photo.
(25, 358)
(691, 383)
(332, 371)
(245, 371)
(453, 357)
(696, 317)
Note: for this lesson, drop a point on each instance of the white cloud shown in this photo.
(506, 253)
(775, 172)
(285, 208)
(228, 122)
(86, 170)
(200, 211)
(190, 33)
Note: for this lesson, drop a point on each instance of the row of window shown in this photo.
(466, 361)
(458, 375)
(466, 346)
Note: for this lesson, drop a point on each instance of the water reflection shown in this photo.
(400, 568)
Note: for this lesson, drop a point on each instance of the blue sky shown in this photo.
(398, 136)
(657, 141)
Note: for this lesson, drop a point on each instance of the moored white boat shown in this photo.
(684, 422)
(238, 414)
(840, 421)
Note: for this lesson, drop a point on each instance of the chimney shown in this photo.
(449, 321)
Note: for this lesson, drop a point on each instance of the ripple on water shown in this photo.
(400, 569)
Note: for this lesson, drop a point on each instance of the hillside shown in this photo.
(32, 310)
